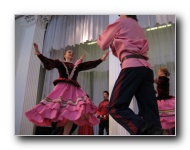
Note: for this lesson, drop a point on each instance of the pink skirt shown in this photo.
(167, 112)
(65, 102)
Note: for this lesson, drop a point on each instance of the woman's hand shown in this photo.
(80, 60)
(104, 56)
(155, 80)
(82, 57)
(36, 50)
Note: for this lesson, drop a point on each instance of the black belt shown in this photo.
(133, 56)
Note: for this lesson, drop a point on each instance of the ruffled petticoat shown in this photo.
(66, 101)
(167, 112)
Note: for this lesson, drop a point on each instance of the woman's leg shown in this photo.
(67, 127)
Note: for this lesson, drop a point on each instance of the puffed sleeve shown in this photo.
(48, 63)
(108, 35)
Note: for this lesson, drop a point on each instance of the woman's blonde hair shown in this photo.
(165, 71)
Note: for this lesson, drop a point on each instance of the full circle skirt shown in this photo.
(167, 112)
(65, 102)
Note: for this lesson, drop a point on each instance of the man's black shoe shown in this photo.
(149, 129)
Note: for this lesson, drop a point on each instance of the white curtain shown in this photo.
(72, 29)
(151, 20)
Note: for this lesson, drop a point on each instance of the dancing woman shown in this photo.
(67, 103)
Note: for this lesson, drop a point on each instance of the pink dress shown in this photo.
(67, 100)
(167, 112)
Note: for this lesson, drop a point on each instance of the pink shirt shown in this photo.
(125, 37)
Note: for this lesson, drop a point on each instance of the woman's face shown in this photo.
(160, 73)
(69, 54)
(122, 16)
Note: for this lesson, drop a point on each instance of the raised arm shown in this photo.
(92, 64)
(80, 60)
(107, 37)
(104, 56)
(47, 62)
(36, 50)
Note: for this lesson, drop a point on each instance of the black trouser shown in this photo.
(138, 82)
(104, 124)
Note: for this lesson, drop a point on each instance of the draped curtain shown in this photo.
(151, 20)
(74, 32)
(72, 29)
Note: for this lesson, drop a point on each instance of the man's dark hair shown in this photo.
(133, 17)
(106, 92)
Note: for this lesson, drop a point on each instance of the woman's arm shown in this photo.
(80, 60)
(92, 64)
(89, 65)
(47, 62)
